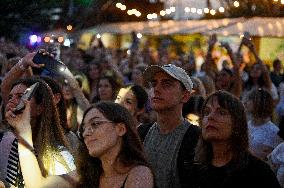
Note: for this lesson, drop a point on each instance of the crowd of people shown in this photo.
(116, 119)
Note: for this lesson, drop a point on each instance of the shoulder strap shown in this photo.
(124, 181)
(1, 136)
(186, 153)
(143, 130)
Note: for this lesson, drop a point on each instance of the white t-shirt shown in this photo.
(59, 168)
(263, 138)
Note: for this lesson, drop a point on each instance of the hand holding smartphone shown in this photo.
(50, 63)
(26, 96)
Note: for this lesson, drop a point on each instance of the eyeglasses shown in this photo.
(90, 127)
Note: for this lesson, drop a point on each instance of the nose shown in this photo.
(87, 131)
(211, 115)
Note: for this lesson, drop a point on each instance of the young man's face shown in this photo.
(166, 92)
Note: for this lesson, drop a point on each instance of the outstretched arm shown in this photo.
(22, 68)
(237, 80)
(209, 65)
(82, 101)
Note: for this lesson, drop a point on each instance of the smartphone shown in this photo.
(26, 96)
(50, 64)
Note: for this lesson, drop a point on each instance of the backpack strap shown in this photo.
(186, 154)
(143, 129)
(1, 136)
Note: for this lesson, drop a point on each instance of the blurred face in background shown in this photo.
(94, 71)
(67, 93)
(137, 77)
(105, 90)
(193, 118)
(256, 71)
(127, 99)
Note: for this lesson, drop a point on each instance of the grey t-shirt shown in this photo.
(162, 152)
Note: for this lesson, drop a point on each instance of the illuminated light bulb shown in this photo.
(67, 42)
(173, 9)
(154, 15)
(193, 10)
(33, 38)
(168, 11)
(46, 39)
(38, 39)
(129, 12)
(206, 10)
(186, 9)
(69, 27)
(118, 5)
(162, 13)
(139, 35)
(236, 3)
(128, 52)
(212, 12)
(123, 7)
(138, 14)
(199, 11)
(51, 41)
(221, 9)
(60, 39)
(282, 2)
(98, 36)
(149, 16)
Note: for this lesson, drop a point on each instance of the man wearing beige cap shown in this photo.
(170, 142)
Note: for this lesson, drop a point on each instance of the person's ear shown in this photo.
(185, 96)
(56, 98)
(120, 129)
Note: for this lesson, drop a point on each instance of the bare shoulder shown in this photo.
(140, 176)
(62, 181)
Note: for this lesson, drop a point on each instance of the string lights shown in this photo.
(192, 10)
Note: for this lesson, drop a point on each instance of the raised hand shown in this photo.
(212, 40)
(20, 122)
(27, 61)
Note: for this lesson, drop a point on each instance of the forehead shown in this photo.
(213, 102)
(126, 92)
(20, 88)
(163, 76)
(93, 114)
(104, 81)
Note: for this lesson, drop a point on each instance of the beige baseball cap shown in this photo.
(172, 70)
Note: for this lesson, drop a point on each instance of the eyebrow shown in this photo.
(93, 118)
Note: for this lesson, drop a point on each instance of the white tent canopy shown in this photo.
(257, 26)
